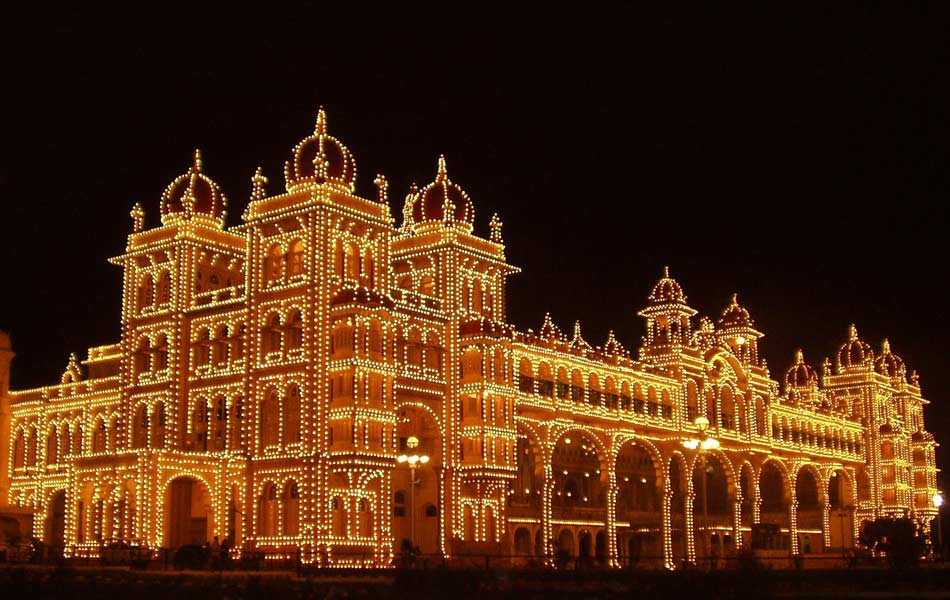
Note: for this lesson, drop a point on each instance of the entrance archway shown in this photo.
(713, 518)
(188, 519)
(638, 504)
(841, 500)
(56, 520)
(421, 496)
(773, 511)
(809, 512)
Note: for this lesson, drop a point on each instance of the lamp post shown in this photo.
(938, 502)
(414, 460)
(703, 445)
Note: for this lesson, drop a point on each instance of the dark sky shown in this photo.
(799, 158)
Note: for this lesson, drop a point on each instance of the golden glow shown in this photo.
(280, 371)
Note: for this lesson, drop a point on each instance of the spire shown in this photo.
(442, 174)
(666, 272)
(196, 162)
(138, 217)
(852, 333)
(258, 183)
(411, 199)
(495, 225)
(321, 126)
(799, 357)
(886, 347)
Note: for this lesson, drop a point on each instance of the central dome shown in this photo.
(855, 352)
(667, 289)
(442, 201)
(193, 194)
(735, 315)
(800, 374)
(321, 159)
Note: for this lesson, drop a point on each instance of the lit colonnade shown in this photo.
(269, 376)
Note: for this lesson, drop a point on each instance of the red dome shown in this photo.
(667, 290)
(800, 374)
(441, 201)
(321, 159)
(888, 363)
(855, 352)
(193, 194)
(735, 315)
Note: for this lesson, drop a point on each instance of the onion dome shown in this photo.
(440, 202)
(855, 352)
(800, 374)
(193, 195)
(667, 290)
(320, 159)
(735, 315)
(888, 363)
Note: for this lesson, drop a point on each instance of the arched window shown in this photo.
(414, 348)
(338, 508)
(77, 439)
(203, 348)
(19, 451)
(63, 450)
(52, 437)
(296, 258)
(160, 353)
(364, 517)
(271, 337)
(219, 428)
(727, 413)
(140, 427)
(292, 415)
(273, 270)
(294, 331)
(472, 365)
(369, 275)
(433, 352)
(237, 341)
(199, 426)
(477, 296)
(146, 292)
(220, 347)
(341, 342)
(405, 282)
(164, 289)
(237, 423)
(352, 261)
(141, 361)
(270, 419)
(267, 521)
(375, 340)
(291, 509)
(158, 425)
(99, 435)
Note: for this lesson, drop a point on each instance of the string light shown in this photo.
(274, 370)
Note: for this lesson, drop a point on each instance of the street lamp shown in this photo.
(414, 460)
(938, 502)
(703, 445)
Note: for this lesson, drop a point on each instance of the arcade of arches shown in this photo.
(270, 373)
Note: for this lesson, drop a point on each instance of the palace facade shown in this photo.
(270, 374)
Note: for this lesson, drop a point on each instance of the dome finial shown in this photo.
(886, 346)
(138, 217)
(321, 127)
(799, 356)
(442, 174)
(196, 161)
(852, 332)
(735, 298)
(666, 272)
(258, 183)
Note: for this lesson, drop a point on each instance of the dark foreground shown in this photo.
(34, 582)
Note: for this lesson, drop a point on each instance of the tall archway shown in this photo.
(188, 512)
(638, 504)
(841, 502)
(56, 521)
(773, 508)
(417, 422)
(809, 513)
(678, 502)
(579, 481)
(713, 503)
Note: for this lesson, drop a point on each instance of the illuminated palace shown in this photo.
(269, 376)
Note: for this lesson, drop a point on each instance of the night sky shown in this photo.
(798, 158)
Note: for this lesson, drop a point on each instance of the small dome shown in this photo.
(800, 374)
(855, 352)
(321, 159)
(441, 201)
(193, 194)
(735, 315)
(888, 363)
(667, 290)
